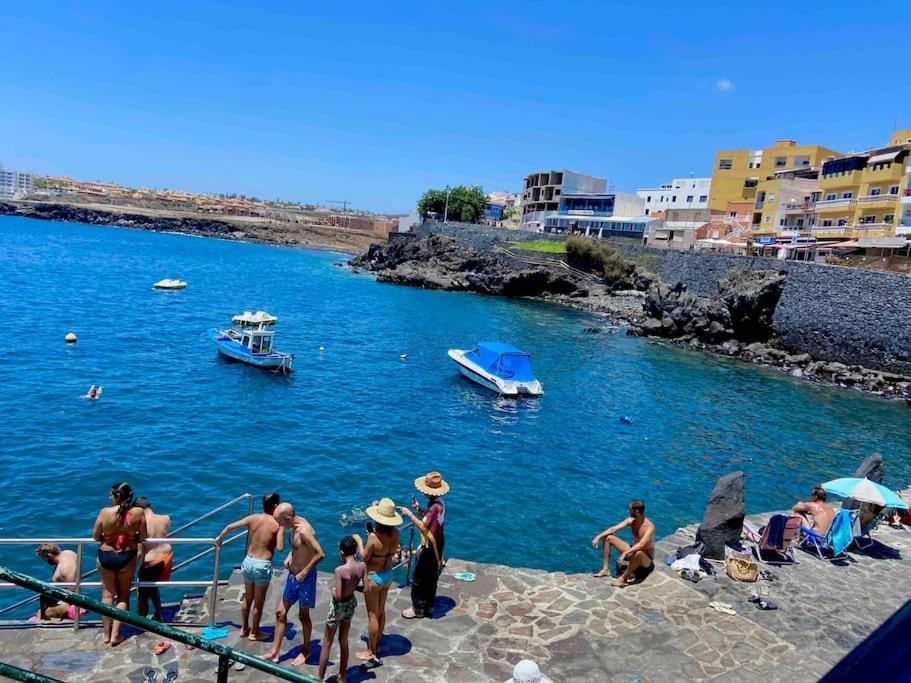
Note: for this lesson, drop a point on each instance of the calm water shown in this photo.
(532, 481)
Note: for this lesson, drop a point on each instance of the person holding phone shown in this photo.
(430, 556)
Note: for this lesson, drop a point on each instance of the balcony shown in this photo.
(877, 199)
(800, 207)
(856, 230)
(834, 203)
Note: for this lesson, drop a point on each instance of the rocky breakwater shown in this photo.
(738, 322)
(439, 262)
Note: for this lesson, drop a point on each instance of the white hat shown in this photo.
(527, 671)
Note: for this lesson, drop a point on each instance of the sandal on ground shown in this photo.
(161, 647)
(722, 607)
(413, 615)
(765, 604)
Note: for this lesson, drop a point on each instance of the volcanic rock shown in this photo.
(723, 519)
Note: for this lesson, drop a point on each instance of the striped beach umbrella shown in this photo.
(865, 491)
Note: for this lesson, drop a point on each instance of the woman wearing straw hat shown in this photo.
(379, 555)
(430, 556)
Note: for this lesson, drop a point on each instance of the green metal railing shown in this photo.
(226, 655)
(17, 674)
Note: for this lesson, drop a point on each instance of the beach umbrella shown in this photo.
(865, 491)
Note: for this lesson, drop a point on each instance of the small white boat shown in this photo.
(168, 283)
(250, 342)
(499, 367)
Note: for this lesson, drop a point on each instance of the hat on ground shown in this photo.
(527, 671)
(384, 513)
(432, 484)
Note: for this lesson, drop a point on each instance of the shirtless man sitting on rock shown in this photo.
(264, 537)
(636, 561)
(817, 508)
(300, 586)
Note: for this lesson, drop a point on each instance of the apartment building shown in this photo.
(15, 184)
(866, 194)
(601, 214)
(543, 190)
(785, 203)
(737, 173)
(680, 193)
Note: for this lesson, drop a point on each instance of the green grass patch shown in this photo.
(540, 245)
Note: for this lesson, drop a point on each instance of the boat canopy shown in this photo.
(258, 318)
(505, 360)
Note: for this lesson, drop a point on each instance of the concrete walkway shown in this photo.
(576, 627)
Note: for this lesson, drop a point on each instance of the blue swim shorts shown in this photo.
(301, 592)
(256, 571)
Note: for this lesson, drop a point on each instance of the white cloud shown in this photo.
(724, 85)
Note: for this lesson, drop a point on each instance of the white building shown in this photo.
(680, 193)
(14, 184)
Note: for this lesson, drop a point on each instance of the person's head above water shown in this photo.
(819, 494)
(270, 501)
(284, 514)
(636, 508)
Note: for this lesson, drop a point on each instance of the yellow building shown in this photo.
(737, 172)
(863, 194)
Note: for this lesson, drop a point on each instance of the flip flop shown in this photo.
(161, 647)
(464, 576)
(722, 607)
(412, 616)
(766, 604)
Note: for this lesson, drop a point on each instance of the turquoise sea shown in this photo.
(532, 481)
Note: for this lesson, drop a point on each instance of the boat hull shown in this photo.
(229, 348)
(479, 375)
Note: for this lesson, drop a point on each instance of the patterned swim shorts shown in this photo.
(341, 611)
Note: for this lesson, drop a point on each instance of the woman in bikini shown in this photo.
(379, 554)
(119, 529)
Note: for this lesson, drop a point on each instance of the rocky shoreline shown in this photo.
(735, 323)
(238, 230)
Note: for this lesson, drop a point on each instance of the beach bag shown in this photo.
(741, 568)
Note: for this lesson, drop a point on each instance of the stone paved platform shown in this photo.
(576, 627)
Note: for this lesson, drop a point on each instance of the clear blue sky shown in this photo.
(374, 102)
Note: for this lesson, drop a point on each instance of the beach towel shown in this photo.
(776, 531)
(841, 533)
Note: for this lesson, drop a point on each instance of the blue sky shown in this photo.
(374, 103)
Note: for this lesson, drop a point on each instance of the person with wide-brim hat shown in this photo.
(430, 557)
(379, 555)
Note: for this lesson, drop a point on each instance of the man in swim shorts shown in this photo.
(636, 561)
(65, 567)
(300, 586)
(157, 560)
(264, 537)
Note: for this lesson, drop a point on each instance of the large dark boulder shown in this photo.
(750, 297)
(723, 519)
(874, 469)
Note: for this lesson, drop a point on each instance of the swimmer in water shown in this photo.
(93, 393)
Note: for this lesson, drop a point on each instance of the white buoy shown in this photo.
(321, 349)
(70, 338)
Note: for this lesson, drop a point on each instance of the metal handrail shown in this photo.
(225, 654)
(214, 583)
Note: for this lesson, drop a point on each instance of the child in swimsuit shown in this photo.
(341, 611)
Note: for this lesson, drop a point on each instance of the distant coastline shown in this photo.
(235, 229)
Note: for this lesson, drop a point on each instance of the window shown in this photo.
(888, 218)
(674, 198)
(830, 196)
(893, 189)
(847, 195)
(875, 191)
(646, 212)
(703, 198)
(780, 162)
(781, 222)
(725, 164)
(689, 198)
(869, 219)
(842, 221)
(771, 197)
(827, 223)
(767, 219)
(648, 199)
(802, 161)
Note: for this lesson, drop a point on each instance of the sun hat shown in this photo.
(527, 671)
(384, 513)
(432, 484)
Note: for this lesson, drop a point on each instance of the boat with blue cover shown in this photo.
(499, 367)
(250, 341)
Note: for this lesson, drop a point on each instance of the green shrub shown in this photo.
(595, 256)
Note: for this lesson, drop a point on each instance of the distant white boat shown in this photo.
(168, 283)
(499, 367)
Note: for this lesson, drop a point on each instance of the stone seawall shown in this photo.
(848, 315)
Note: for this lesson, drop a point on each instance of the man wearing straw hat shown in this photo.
(430, 556)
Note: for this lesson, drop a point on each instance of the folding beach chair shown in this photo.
(835, 541)
(776, 551)
(862, 533)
